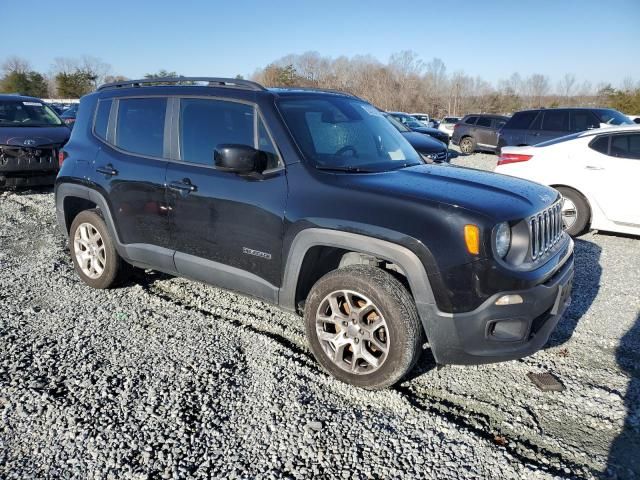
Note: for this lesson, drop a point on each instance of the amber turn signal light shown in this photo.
(472, 239)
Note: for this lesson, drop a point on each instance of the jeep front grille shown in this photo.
(545, 229)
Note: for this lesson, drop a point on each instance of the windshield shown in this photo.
(399, 126)
(407, 120)
(612, 117)
(26, 113)
(346, 134)
(70, 112)
(450, 119)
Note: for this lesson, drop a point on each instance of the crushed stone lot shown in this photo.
(167, 378)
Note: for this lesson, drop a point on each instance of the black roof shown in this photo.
(16, 96)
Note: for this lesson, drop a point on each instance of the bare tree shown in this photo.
(96, 68)
(538, 87)
(407, 83)
(15, 64)
(566, 86)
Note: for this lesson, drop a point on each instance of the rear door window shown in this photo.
(140, 125)
(556, 120)
(521, 120)
(471, 120)
(625, 146)
(484, 122)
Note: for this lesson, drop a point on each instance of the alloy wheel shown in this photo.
(466, 146)
(352, 332)
(89, 250)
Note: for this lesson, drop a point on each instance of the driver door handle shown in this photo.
(594, 167)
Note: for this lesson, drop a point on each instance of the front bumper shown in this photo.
(21, 167)
(495, 333)
(14, 180)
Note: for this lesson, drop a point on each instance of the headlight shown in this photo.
(503, 239)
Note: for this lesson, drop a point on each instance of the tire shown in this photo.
(385, 302)
(574, 202)
(104, 266)
(467, 145)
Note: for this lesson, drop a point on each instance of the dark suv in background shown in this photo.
(478, 132)
(31, 135)
(313, 201)
(530, 127)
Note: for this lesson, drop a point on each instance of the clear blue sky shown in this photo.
(596, 40)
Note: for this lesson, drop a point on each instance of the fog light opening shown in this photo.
(510, 300)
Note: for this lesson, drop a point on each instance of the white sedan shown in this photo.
(597, 172)
(447, 124)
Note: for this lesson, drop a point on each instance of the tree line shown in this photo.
(68, 78)
(405, 82)
(409, 84)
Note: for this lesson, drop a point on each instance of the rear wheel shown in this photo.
(575, 211)
(363, 326)
(94, 255)
(467, 145)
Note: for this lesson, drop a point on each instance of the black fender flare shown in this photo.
(140, 255)
(392, 252)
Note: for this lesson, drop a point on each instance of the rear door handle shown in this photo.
(107, 170)
(593, 167)
(184, 186)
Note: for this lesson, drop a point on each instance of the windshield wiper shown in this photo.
(349, 169)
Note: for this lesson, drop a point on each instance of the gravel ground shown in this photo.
(166, 378)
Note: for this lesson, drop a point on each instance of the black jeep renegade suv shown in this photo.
(313, 201)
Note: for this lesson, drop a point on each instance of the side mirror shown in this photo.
(236, 158)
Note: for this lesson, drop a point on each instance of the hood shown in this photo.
(427, 130)
(34, 136)
(424, 143)
(497, 197)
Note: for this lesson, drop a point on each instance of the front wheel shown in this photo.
(575, 211)
(363, 326)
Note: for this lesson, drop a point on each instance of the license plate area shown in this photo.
(563, 297)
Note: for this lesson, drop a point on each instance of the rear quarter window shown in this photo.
(600, 144)
(470, 120)
(102, 118)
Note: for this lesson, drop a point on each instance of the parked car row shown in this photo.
(416, 126)
(485, 132)
(596, 171)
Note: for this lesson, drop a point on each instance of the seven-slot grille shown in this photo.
(545, 229)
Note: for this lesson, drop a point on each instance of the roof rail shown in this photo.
(212, 82)
(318, 89)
